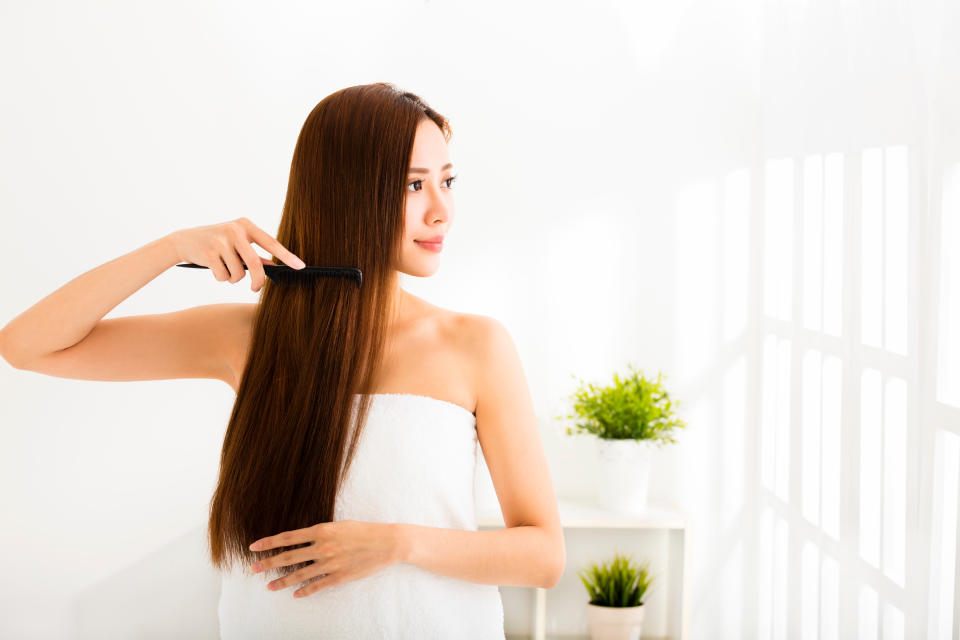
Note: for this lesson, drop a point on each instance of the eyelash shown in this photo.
(451, 180)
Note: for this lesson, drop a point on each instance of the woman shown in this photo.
(349, 453)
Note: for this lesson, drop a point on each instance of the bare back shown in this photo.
(427, 353)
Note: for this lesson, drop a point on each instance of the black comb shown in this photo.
(285, 274)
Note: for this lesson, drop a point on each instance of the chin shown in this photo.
(420, 269)
(423, 272)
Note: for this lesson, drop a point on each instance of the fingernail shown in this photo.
(301, 263)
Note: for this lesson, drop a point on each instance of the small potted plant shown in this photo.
(616, 607)
(628, 418)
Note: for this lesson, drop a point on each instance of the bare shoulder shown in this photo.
(481, 334)
(494, 362)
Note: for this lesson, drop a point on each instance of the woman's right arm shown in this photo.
(65, 335)
(66, 316)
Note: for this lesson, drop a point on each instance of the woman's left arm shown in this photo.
(521, 555)
(530, 550)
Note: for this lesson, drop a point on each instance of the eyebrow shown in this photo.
(420, 170)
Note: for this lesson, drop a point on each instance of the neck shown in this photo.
(396, 297)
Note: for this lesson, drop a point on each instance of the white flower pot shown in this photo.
(615, 623)
(624, 474)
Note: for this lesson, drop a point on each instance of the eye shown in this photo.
(449, 182)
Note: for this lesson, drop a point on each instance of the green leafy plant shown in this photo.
(631, 408)
(617, 584)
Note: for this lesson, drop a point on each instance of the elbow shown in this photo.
(9, 354)
(558, 566)
(5, 351)
(552, 561)
(553, 578)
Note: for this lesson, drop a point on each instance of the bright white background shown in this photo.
(758, 198)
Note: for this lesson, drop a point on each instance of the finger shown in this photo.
(266, 241)
(219, 269)
(329, 580)
(254, 265)
(232, 259)
(235, 237)
(285, 539)
(298, 577)
(286, 558)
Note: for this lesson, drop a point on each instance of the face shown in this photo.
(428, 208)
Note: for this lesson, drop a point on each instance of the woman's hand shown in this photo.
(344, 551)
(226, 247)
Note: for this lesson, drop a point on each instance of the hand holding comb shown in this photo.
(226, 249)
(283, 274)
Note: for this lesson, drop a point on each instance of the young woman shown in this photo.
(348, 461)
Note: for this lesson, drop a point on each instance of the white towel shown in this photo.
(415, 463)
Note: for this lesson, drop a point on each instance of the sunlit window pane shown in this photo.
(870, 470)
(896, 235)
(831, 438)
(781, 574)
(892, 622)
(829, 600)
(894, 479)
(809, 590)
(946, 486)
(734, 441)
(948, 341)
(871, 247)
(812, 241)
(778, 239)
(868, 606)
(769, 415)
(783, 420)
(765, 574)
(810, 436)
(736, 253)
(833, 213)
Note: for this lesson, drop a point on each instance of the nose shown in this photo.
(441, 206)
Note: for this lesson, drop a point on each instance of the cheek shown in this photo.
(411, 226)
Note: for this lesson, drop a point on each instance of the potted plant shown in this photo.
(616, 607)
(628, 418)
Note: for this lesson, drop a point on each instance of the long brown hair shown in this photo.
(288, 442)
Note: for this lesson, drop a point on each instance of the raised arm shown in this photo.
(69, 314)
(65, 335)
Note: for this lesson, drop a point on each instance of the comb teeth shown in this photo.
(285, 274)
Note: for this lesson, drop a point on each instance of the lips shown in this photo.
(430, 246)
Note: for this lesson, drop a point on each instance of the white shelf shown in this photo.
(578, 513)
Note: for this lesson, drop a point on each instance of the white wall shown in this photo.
(618, 186)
